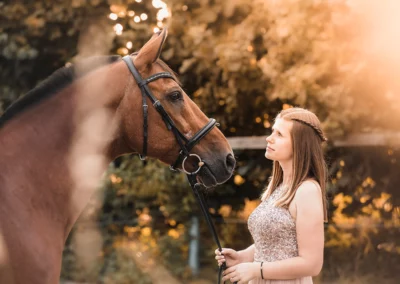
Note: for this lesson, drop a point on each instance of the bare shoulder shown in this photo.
(309, 203)
(307, 191)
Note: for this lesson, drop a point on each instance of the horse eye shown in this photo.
(175, 96)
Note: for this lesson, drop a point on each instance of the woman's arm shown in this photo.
(310, 237)
(247, 255)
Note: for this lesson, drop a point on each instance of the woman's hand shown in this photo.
(230, 256)
(242, 273)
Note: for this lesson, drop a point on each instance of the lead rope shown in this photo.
(200, 199)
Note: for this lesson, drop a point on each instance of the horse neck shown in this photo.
(82, 113)
(96, 138)
(62, 146)
(96, 122)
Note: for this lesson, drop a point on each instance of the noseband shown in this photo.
(185, 144)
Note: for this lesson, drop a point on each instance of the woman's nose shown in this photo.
(268, 139)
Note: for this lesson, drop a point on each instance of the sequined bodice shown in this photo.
(273, 230)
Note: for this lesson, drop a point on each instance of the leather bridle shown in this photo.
(185, 144)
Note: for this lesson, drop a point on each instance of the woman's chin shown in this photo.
(269, 156)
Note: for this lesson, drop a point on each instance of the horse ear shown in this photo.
(151, 51)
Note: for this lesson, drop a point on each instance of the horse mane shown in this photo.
(57, 81)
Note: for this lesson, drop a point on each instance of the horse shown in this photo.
(57, 141)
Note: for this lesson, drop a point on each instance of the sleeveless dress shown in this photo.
(274, 233)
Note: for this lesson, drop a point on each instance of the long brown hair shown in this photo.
(308, 157)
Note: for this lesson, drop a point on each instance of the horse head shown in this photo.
(173, 119)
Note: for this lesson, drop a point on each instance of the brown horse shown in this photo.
(56, 143)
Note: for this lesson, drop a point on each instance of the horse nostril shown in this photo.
(230, 162)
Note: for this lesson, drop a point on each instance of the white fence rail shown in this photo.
(353, 140)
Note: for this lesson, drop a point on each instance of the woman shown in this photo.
(288, 225)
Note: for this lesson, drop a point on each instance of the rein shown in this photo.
(185, 144)
(200, 199)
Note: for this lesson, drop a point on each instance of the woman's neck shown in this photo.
(287, 172)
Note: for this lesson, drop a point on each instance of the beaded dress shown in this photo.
(274, 233)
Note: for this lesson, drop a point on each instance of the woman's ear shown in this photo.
(151, 51)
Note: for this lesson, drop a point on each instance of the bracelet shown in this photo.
(262, 276)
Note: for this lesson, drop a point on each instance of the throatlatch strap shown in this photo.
(145, 127)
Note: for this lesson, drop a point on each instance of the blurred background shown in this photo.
(242, 62)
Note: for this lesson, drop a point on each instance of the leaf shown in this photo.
(187, 64)
(168, 54)
(208, 16)
(34, 22)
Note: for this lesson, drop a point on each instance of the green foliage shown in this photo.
(174, 252)
(136, 186)
(117, 267)
(38, 37)
(249, 57)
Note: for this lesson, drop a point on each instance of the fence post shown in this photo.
(194, 234)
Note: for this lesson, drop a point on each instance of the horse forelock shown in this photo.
(56, 82)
